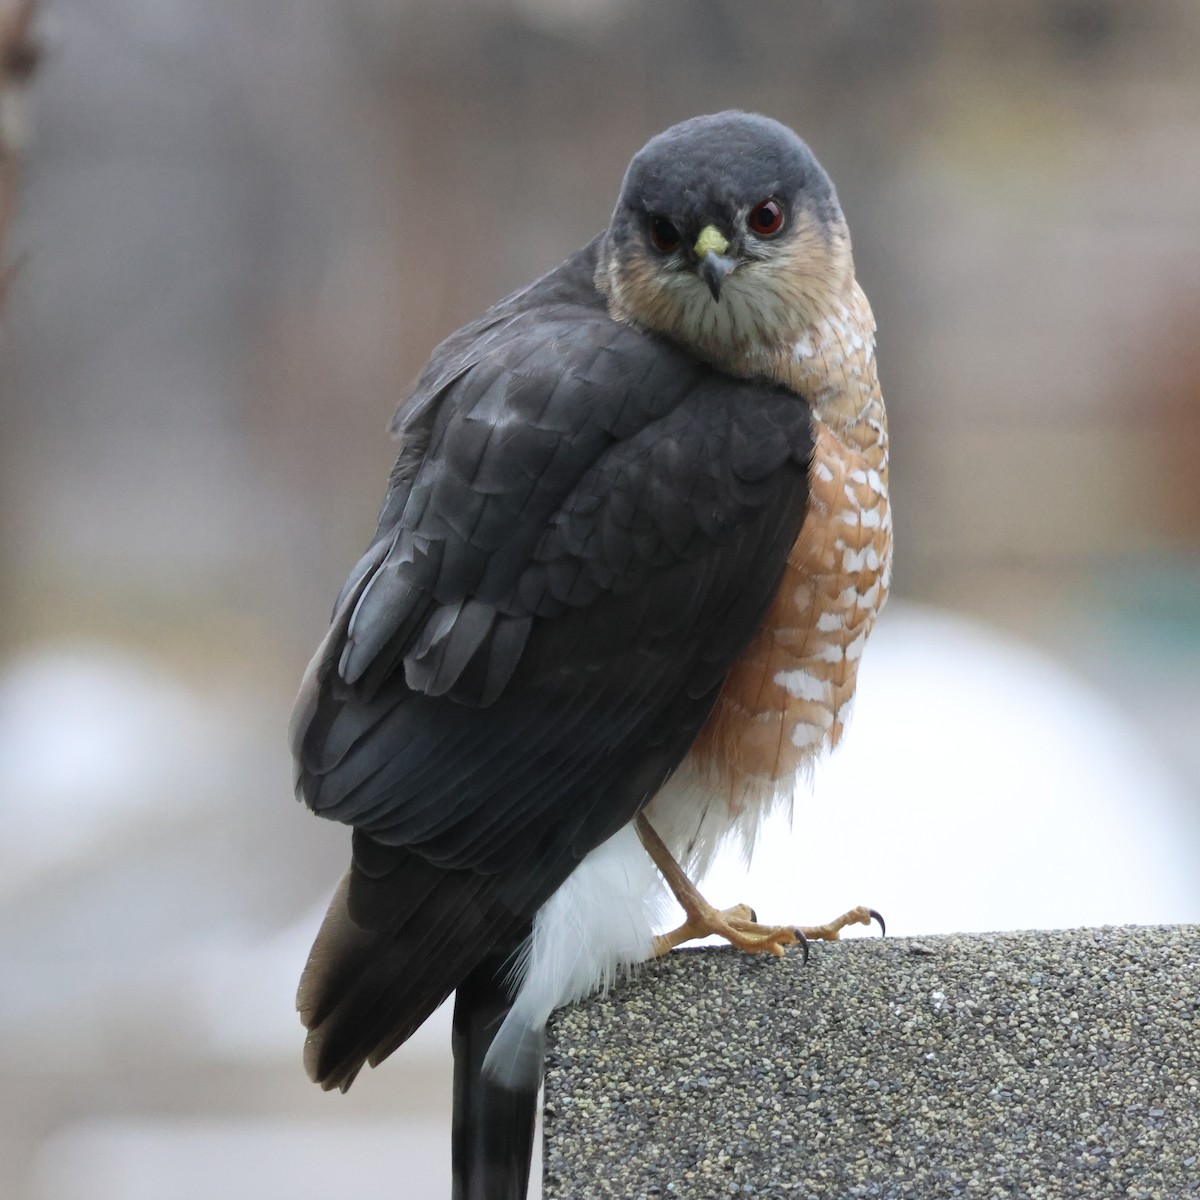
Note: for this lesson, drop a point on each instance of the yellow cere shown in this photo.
(710, 241)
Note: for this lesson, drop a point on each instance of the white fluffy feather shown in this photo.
(595, 928)
(602, 921)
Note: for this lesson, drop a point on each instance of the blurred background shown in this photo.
(243, 225)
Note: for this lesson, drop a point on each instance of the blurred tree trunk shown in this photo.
(18, 58)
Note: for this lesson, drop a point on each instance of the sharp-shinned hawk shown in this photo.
(634, 542)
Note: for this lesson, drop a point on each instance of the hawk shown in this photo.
(632, 547)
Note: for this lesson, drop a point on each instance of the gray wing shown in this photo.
(594, 529)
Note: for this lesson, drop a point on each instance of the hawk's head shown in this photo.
(727, 237)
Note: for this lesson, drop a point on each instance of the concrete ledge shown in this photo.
(1062, 1065)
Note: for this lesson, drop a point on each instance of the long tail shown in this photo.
(399, 936)
(493, 1125)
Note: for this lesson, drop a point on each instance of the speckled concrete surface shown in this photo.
(1036, 1065)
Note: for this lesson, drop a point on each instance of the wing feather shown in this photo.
(585, 527)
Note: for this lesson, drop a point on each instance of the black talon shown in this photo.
(882, 924)
(753, 916)
(802, 942)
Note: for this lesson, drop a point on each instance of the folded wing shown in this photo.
(584, 538)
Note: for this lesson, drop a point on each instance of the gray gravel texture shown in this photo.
(1053, 1064)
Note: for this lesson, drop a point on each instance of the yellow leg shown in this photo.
(736, 925)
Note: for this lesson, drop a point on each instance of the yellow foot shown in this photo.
(831, 931)
(736, 925)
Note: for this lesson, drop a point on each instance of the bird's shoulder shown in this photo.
(566, 293)
(589, 526)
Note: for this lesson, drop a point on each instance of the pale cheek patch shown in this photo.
(765, 305)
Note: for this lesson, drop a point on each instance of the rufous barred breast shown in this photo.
(787, 698)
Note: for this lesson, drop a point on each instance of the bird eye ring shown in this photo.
(664, 235)
(766, 219)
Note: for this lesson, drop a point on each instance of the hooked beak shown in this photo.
(714, 264)
(712, 269)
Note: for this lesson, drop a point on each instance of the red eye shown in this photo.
(767, 219)
(664, 235)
